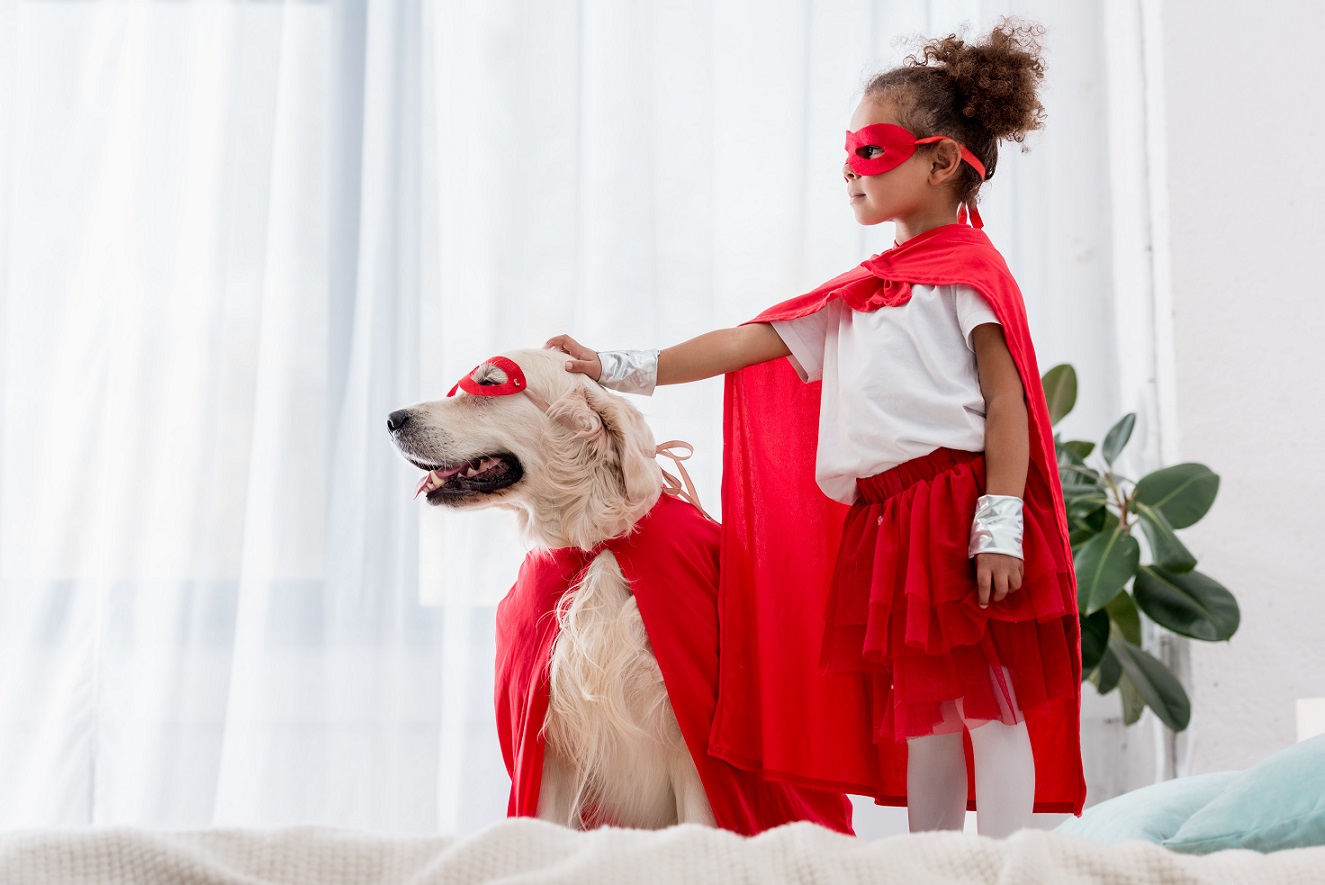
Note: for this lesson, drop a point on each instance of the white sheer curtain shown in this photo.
(235, 235)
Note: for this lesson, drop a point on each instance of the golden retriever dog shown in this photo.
(575, 463)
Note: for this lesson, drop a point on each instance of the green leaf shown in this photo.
(1069, 458)
(1183, 492)
(1102, 520)
(1133, 704)
(1190, 604)
(1158, 687)
(1094, 640)
(1104, 565)
(1080, 448)
(1109, 672)
(1072, 467)
(1122, 611)
(1082, 507)
(1168, 551)
(1117, 437)
(1060, 391)
(1078, 477)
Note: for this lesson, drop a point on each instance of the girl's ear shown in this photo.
(947, 160)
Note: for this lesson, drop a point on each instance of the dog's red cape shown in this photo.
(671, 562)
(779, 712)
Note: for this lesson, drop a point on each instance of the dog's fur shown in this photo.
(576, 476)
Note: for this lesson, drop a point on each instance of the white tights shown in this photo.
(1004, 780)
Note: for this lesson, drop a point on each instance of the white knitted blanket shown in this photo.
(531, 851)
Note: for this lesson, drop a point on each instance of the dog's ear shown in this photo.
(574, 413)
(633, 441)
(615, 431)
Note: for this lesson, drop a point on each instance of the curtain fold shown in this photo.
(236, 235)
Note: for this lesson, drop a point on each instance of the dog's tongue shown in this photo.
(436, 476)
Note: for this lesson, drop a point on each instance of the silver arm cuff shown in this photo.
(997, 527)
(629, 371)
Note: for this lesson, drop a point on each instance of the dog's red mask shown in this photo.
(881, 147)
(514, 383)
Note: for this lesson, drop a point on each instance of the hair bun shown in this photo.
(996, 79)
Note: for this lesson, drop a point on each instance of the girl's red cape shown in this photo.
(778, 712)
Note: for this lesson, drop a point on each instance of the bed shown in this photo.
(525, 851)
(1261, 826)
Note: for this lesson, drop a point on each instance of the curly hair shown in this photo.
(978, 93)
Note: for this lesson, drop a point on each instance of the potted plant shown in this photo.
(1116, 589)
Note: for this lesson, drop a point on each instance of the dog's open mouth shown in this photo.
(481, 476)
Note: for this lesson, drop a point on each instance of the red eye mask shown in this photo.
(896, 145)
(514, 383)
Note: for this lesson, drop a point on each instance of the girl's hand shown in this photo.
(582, 360)
(997, 575)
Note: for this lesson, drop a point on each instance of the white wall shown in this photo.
(1245, 131)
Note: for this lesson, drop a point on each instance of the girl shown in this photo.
(909, 502)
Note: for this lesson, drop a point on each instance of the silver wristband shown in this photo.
(629, 371)
(997, 527)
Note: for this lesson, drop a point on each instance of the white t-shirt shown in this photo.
(898, 382)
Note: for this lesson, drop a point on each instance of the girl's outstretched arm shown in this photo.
(713, 353)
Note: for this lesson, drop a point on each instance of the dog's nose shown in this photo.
(397, 419)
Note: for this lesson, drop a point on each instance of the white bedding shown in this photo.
(532, 851)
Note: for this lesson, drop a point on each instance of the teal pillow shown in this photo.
(1152, 813)
(1278, 803)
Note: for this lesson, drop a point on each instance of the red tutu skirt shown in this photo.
(904, 607)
